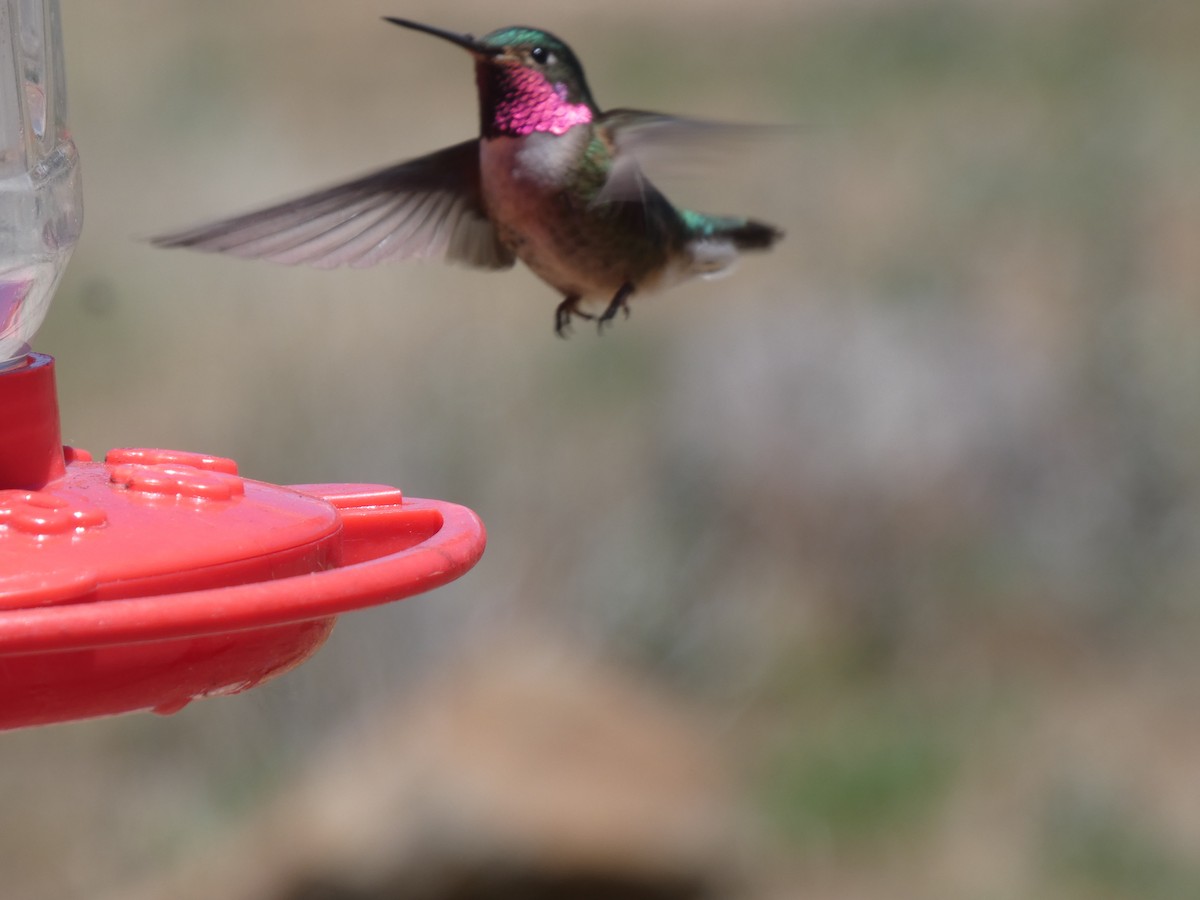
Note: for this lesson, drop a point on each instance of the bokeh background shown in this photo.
(869, 572)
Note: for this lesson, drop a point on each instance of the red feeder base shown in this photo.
(158, 577)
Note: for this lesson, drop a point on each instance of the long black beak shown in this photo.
(466, 41)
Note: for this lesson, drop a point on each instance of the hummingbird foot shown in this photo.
(562, 315)
(620, 301)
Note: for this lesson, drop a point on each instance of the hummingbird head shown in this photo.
(529, 80)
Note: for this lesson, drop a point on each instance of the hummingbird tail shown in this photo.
(744, 234)
(752, 235)
(714, 242)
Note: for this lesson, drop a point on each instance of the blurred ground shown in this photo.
(901, 519)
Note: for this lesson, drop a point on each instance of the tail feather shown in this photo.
(752, 235)
(744, 234)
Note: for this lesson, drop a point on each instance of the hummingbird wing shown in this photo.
(427, 208)
(639, 140)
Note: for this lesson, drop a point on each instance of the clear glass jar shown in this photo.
(41, 206)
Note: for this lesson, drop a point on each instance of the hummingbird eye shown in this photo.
(541, 56)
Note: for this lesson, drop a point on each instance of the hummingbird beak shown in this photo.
(466, 41)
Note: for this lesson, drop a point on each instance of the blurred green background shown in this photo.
(889, 541)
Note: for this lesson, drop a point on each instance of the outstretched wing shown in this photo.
(642, 140)
(426, 208)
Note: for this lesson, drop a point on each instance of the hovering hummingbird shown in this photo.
(551, 180)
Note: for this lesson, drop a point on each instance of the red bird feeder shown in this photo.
(156, 577)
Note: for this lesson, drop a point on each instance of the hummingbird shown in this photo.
(551, 180)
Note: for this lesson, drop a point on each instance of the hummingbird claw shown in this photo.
(620, 301)
(562, 315)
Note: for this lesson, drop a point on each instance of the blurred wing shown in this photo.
(426, 208)
(646, 140)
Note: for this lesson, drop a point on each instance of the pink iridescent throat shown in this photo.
(529, 103)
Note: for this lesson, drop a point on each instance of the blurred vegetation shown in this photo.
(878, 775)
(1095, 847)
(908, 506)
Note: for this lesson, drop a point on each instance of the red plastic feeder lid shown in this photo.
(157, 577)
(152, 522)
